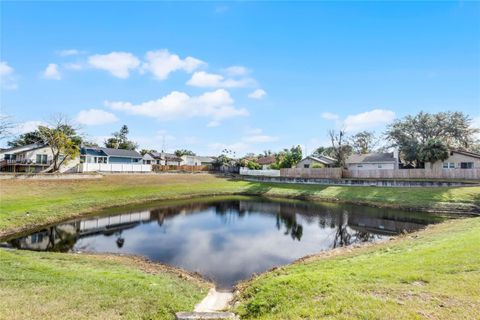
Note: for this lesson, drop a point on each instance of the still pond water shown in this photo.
(226, 240)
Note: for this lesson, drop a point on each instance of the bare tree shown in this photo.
(6, 126)
(340, 146)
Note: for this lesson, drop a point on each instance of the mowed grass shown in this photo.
(36, 285)
(433, 274)
(29, 203)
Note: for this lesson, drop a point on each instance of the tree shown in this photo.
(340, 149)
(287, 158)
(26, 139)
(432, 151)
(411, 134)
(120, 140)
(363, 142)
(6, 125)
(145, 151)
(323, 151)
(62, 139)
(184, 152)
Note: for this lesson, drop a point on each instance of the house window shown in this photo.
(306, 166)
(379, 166)
(466, 165)
(359, 166)
(82, 159)
(449, 165)
(41, 159)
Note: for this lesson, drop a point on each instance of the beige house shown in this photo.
(373, 161)
(457, 160)
(312, 162)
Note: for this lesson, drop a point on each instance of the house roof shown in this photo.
(266, 160)
(322, 159)
(165, 156)
(466, 153)
(113, 152)
(371, 158)
(23, 148)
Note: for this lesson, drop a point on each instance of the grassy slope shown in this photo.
(68, 286)
(27, 203)
(434, 274)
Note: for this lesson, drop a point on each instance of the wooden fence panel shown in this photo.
(312, 173)
(467, 174)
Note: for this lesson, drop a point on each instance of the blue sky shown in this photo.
(241, 75)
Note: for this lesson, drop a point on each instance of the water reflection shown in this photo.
(226, 241)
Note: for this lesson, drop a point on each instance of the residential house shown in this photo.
(373, 161)
(197, 160)
(457, 160)
(111, 160)
(266, 161)
(316, 161)
(33, 158)
(162, 158)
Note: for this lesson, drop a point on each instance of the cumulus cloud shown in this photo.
(51, 72)
(161, 63)
(119, 64)
(216, 105)
(256, 135)
(211, 80)
(94, 117)
(237, 71)
(8, 79)
(369, 119)
(69, 52)
(28, 126)
(330, 116)
(257, 94)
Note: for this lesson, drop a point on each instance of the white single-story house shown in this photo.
(320, 161)
(457, 160)
(197, 160)
(162, 158)
(373, 161)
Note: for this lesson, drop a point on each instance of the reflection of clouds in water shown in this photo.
(223, 252)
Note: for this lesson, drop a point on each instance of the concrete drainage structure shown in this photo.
(210, 306)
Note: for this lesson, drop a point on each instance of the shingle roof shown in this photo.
(371, 158)
(467, 153)
(115, 152)
(165, 156)
(23, 148)
(322, 159)
(266, 160)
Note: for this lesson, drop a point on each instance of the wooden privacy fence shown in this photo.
(313, 173)
(165, 168)
(467, 174)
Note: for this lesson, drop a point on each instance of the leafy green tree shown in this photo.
(63, 141)
(323, 151)
(184, 152)
(145, 151)
(287, 158)
(25, 139)
(432, 151)
(363, 142)
(120, 140)
(412, 133)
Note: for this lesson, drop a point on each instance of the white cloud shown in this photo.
(72, 66)
(8, 79)
(118, 64)
(69, 52)
(256, 135)
(161, 63)
(28, 126)
(51, 72)
(257, 94)
(211, 80)
(216, 105)
(330, 116)
(237, 71)
(368, 120)
(94, 117)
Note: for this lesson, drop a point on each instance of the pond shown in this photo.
(226, 239)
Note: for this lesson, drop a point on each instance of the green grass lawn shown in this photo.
(36, 285)
(433, 274)
(28, 203)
